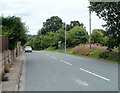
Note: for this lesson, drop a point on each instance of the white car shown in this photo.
(28, 49)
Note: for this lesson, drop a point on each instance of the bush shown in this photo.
(113, 55)
(119, 48)
(96, 52)
(4, 77)
(7, 67)
(109, 55)
(103, 55)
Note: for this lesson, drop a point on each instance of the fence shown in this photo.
(6, 56)
(3, 43)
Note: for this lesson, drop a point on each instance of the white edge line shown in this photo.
(95, 74)
(65, 62)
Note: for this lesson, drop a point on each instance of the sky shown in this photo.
(35, 12)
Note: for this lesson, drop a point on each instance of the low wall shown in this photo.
(6, 57)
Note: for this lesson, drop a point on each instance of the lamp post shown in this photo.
(41, 39)
(65, 37)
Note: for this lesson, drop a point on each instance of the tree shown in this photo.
(103, 31)
(31, 41)
(14, 29)
(36, 42)
(77, 35)
(97, 36)
(73, 24)
(104, 41)
(48, 40)
(29, 37)
(52, 25)
(60, 35)
(110, 12)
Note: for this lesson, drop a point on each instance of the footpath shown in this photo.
(14, 76)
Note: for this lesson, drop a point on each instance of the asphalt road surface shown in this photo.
(51, 71)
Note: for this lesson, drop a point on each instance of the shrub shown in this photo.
(96, 52)
(7, 67)
(109, 55)
(4, 77)
(113, 55)
(103, 55)
(119, 48)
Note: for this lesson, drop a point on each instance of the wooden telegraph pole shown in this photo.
(90, 27)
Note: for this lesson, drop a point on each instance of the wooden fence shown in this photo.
(4, 42)
(6, 55)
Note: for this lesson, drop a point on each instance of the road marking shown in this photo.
(46, 54)
(65, 62)
(53, 57)
(81, 82)
(95, 74)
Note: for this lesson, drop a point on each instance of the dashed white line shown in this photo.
(65, 62)
(53, 57)
(61, 60)
(46, 54)
(82, 70)
(81, 82)
(95, 74)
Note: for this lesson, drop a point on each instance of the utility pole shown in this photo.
(90, 27)
(65, 37)
(41, 39)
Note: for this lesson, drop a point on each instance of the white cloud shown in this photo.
(35, 12)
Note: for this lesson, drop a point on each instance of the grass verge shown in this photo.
(94, 54)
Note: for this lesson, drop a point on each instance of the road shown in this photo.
(52, 71)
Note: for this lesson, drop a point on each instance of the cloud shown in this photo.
(35, 12)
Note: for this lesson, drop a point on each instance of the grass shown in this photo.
(50, 49)
(94, 54)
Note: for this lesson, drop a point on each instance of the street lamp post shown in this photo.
(65, 37)
(41, 40)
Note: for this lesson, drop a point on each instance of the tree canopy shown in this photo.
(14, 29)
(73, 24)
(110, 12)
(77, 35)
(53, 31)
(52, 24)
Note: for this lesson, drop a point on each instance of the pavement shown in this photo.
(14, 75)
(52, 71)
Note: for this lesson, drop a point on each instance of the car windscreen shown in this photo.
(28, 48)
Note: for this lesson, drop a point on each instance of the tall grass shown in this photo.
(81, 49)
(97, 51)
